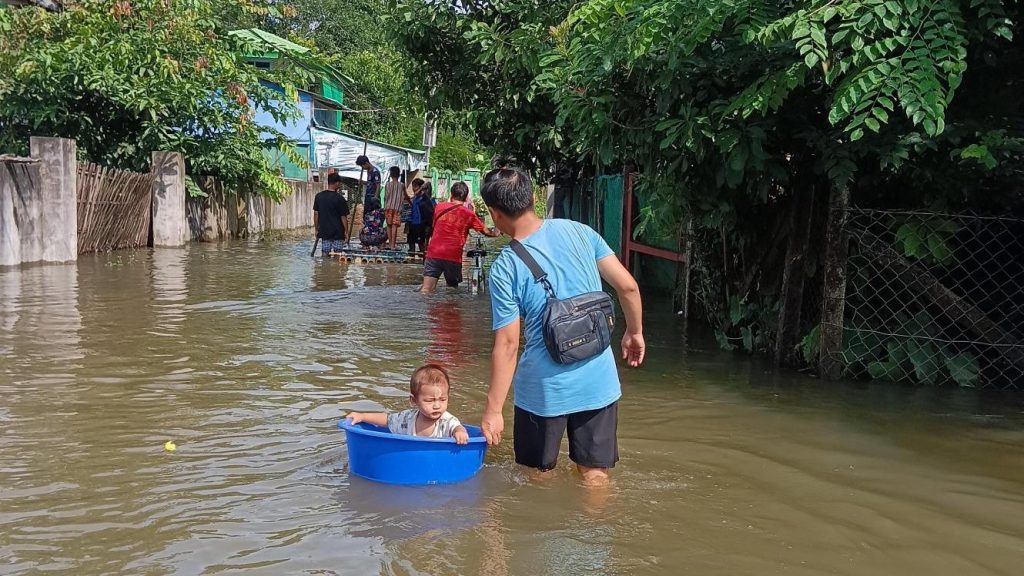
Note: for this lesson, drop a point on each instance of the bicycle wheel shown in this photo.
(474, 280)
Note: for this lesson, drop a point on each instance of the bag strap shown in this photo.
(539, 275)
(445, 211)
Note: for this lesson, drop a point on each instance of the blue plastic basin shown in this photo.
(378, 455)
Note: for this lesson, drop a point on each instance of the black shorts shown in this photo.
(452, 271)
(592, 438)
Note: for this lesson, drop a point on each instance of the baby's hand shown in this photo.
(355, 417)
(461, 436)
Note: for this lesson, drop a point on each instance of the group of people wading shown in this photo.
(438, 230)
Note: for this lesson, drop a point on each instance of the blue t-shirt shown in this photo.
(568, 251)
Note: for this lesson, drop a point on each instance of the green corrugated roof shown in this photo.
(277, 46)
(265, 38)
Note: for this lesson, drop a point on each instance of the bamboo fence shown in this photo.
(113, 208)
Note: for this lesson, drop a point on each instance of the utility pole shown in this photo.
(429, 133)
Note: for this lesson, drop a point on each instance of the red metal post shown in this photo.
(627, 222)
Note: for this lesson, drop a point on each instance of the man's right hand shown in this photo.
(492, 425)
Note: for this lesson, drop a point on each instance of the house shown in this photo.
(317, 135)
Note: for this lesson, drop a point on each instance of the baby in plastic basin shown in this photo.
(428, 392)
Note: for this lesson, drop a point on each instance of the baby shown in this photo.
(428, 392)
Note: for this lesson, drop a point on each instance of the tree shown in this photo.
(731, 110)
(335, 27)
(482, 58)
(385, 97)
(127, 78)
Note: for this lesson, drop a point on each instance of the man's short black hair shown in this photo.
(362, 160)
(508, 190)
(503, 161)
(460, 191)
(333, 178)
(395, 172)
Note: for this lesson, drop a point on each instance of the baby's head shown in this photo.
(428, 390)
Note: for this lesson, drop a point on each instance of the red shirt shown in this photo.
(450, 230)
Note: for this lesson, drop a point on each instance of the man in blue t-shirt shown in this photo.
(549, 397)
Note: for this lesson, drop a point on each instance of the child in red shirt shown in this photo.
(452, 223)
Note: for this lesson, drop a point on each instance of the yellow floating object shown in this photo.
(170, 446)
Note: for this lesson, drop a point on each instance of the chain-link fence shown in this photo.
(935, 298)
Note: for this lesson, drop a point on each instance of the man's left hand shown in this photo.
(633, 349)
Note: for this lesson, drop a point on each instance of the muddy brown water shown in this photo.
(246, 354)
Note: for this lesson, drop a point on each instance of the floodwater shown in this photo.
(247, 354)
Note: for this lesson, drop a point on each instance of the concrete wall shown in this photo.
(223, 214)
(170, 226)
(220, 214)
(28, 233)
(58, 170)
(295, 211)
(19, 187)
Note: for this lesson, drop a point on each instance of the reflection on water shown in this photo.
(170, 289)
(247, 354)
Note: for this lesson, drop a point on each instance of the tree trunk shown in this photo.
(687, 269)
(834, 288)
(794, 277)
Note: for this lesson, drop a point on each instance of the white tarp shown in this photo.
(337, 150)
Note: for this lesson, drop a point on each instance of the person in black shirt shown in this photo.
(329, 211)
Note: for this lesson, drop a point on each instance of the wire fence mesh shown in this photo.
(935, 298)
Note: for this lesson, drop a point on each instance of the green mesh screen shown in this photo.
(609, 197)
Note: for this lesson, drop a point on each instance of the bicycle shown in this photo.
(477, 276)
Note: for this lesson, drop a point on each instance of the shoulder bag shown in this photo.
(576, 328)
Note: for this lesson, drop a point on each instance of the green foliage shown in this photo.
(963, 369)
(335, 27)
(810, 345)
(125, 79)
(912, 354)
(383, 105)
(750, 321)
(540, 201)
(482, 59)
(729, 109)
(927, 239)
(455, 151)
(384, 97)
(379, 102)
(995, 148)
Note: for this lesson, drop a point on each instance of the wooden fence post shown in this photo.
(834, 288)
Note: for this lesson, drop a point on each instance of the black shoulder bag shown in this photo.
(576, 328)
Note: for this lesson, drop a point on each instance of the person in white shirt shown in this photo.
(428, 392)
